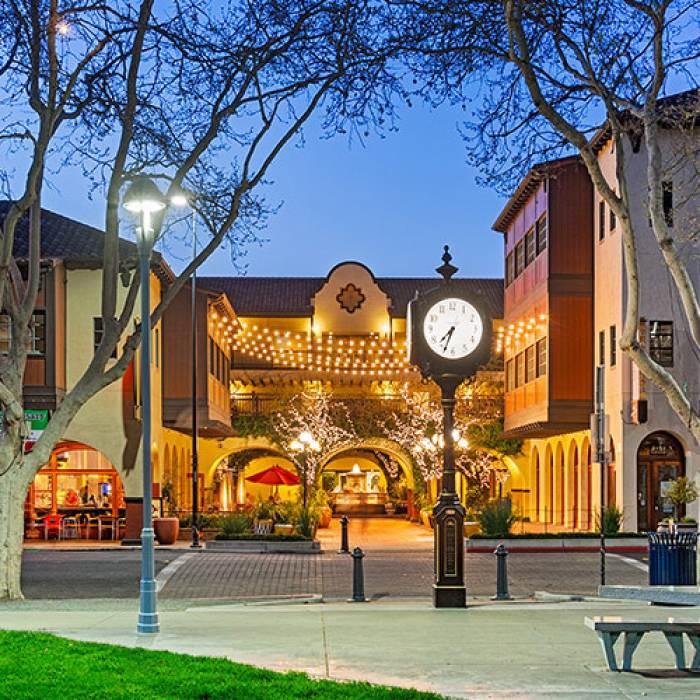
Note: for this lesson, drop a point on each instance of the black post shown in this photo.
(195, 427)
(449, 590)
(344, 548)
(358, 577)
(501, 574)
(601, 449)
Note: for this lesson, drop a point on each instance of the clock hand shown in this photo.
(449, 337)
(449, 332)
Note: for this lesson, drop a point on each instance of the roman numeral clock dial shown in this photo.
(452, 328)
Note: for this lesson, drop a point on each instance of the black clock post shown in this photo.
(430, 347)
(449, 589)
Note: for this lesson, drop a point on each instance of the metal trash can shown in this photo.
(673, 558)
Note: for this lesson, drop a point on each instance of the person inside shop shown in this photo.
(84, 494)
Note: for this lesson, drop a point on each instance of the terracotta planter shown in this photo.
(425, 518)
(325, 516)
(284, 529)
(166, 529)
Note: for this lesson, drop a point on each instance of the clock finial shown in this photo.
(446, 269)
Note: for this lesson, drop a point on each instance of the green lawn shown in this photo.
(36, 665)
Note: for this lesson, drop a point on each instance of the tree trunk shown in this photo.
(12, 494)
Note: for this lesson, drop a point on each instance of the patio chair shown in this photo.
(70, 529)
(52, 523)
(92, 521)
(107, 522)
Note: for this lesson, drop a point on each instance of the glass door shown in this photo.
(664, 473)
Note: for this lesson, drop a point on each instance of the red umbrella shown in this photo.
(274, 476)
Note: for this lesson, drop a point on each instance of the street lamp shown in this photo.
(303, 445)
(180, 198)
(143, 198)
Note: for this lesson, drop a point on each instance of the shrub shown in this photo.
(306, 521)
(496, 519)
(285, 512)
(264, 510)
(612, 520)
(235, 524)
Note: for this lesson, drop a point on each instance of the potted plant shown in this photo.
(263, 517)
(322, 504)
(496, 519)
(681, 492)
(284, 518)
(426, 511)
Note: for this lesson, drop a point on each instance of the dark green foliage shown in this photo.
(496, 519)
(37, 665)
(234, 525)
(612, 520)
(487, 436)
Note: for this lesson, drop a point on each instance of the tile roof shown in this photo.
(66, 239)
(291, 296)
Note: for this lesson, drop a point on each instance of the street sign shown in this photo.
(35, 423)
(600, 445)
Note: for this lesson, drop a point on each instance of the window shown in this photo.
(519, 258)
(519, 369)
(510, 377)
(541, 235)
(97, 333)
(541, 357)
(613, 346)
(5, 333)
(530, 364)
(661, 342)
(667, 200)
(601, 220)
(510, 268)
(37, 334)
(530, 252)
(601, 348)
(613, 220)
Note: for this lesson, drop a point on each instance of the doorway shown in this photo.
(660, 460)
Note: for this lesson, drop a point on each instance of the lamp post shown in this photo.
(181, 199)
(143, 198)
(303, 445)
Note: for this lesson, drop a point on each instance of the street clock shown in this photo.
(448, 337)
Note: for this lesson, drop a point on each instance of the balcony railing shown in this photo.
(264, 405)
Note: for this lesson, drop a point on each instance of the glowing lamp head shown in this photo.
(306, 437)
(296, 446)
(143, 197)
(356, 469)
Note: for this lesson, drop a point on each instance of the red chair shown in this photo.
(52, 523)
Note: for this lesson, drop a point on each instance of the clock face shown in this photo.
(453, 328)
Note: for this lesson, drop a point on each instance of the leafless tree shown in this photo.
(198, 94)
(542, 78)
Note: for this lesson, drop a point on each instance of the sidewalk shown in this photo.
(517, 650)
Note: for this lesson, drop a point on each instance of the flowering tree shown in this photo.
(478, 449)
(308, 430)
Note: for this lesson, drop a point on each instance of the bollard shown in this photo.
(501, 574)
(344, 549)
(358, 577)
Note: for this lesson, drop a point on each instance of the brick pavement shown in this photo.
(398, 564)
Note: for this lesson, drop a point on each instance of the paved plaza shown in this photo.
(398, 565)
(515, 650)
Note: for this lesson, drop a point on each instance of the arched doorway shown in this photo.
(76, 494)
(660, 460)
(370, 478)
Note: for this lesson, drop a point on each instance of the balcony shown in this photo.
(264, 405)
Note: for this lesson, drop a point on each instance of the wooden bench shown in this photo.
(610, 628)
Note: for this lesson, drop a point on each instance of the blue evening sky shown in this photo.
(391, 204)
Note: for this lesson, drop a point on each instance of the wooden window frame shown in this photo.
(663, 355)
